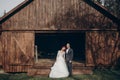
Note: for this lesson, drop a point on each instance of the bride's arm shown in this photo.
(64, 55)
(57, 55)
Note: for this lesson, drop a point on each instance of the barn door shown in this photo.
(18, 51)
(89, 55)
(1, 49)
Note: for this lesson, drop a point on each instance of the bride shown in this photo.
(59, 69)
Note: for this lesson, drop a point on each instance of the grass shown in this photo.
(97, 75)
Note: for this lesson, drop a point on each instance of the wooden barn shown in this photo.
(46, 25)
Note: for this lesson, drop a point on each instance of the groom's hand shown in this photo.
(70, 61)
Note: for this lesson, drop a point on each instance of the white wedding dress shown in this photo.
(59, 69)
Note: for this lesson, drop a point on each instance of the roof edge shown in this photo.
(14, 10)
(103, 11)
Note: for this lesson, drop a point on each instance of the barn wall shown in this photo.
(1, 49)
(18, 51)
(58, 15)
(102, 48)
(18, 47)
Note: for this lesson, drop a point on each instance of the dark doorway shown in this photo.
(49, 43)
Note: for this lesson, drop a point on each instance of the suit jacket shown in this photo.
(69, 55)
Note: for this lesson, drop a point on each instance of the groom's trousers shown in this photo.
(69, 65)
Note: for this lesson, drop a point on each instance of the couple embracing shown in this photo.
(63, 64)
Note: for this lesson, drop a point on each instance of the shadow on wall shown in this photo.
(82, 18)
(104, 48)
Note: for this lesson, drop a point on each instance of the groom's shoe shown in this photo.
(70, 75)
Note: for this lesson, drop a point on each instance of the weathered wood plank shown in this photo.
(18, 51)
(58, 14)
(102, 48)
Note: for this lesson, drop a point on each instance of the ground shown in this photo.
(97, 75)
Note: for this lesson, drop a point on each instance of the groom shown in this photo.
(69, 57)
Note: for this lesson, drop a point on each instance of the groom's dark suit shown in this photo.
(69, 57)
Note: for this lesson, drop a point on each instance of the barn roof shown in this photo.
(14, 10)
(96, 6)
(104, 11)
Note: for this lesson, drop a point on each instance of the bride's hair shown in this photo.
(63, 48)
